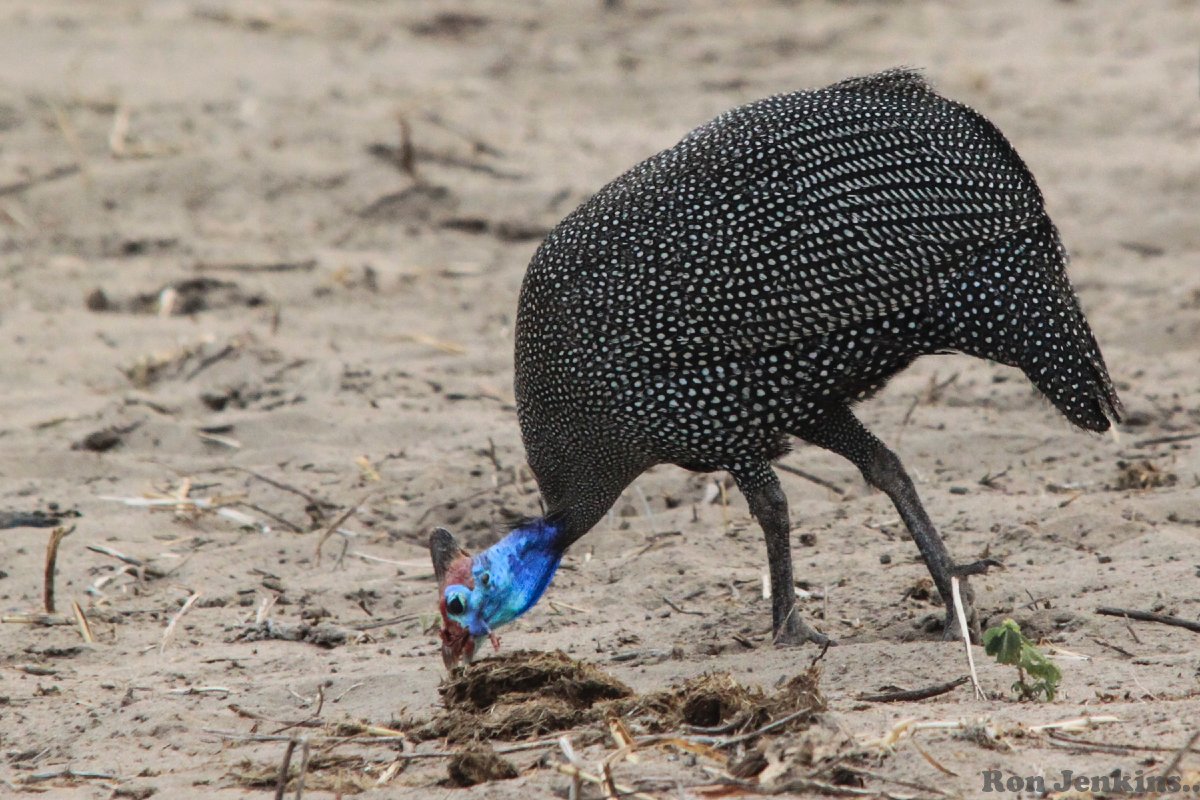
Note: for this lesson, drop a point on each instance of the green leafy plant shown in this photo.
(1037, 675)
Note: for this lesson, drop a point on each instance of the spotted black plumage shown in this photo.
(774, 267)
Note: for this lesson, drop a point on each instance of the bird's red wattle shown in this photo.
(457, 642)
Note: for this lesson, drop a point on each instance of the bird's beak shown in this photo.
(451, 564)
(458, 646)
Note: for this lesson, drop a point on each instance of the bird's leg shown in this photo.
(886, 473)
(842, 433)
(769, 506)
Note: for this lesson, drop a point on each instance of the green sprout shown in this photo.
(1008, 645)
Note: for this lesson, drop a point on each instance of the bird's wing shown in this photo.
(809, 213)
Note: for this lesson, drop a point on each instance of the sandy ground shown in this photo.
(342, 324)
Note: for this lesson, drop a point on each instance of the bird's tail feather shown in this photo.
(1067, 366)
(1013, 303)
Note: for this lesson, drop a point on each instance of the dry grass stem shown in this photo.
(331, 740)
(81, 620)
(910, 727)
(189, 505)
(453, 348)
(170, 629)
(264, 608)
(356, 728)
(224, 441)
(143, 568)
(557, 604)
(622, 737)
(933, 762)
(337, 523)
(406, 153)
(45, 620)
(966, 634)
(56, 537)
(282, 781)
(310, 722)
(392, 771)
(369, 473)
(304, 751)
(1083, 723)
(575, 772)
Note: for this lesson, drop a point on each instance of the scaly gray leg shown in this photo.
(840, 432)
(769, 506)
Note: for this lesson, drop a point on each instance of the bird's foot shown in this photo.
(952, 630)
(795, 631)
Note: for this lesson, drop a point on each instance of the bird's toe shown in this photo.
(974, 568)
(798, 632)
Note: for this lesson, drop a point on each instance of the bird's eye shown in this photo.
(455, 605)
(486, 579)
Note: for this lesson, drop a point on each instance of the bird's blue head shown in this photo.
(478, 595)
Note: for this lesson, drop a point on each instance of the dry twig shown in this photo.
(333, 741)
(1118, 748)
(1149, 616)
(282, 781)
(69, 774)
(808, 476)
(45, 620)
(1086, 722)
(1173, 765)
(64, 171)
(1181, 437)
(183, 504)
(143, 568)
(909, 695)
(306, 265)
(317, 505)
(337, 523)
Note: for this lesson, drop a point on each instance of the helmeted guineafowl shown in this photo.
(750, 284)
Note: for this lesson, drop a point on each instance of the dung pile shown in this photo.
(717, 703)
(521, 694)
(524, 694)
(478, 763)
(1141, 475)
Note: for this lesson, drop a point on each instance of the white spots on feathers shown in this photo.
(788, 258)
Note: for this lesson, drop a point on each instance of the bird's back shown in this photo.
(793, 252)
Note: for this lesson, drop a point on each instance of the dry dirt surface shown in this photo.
(259, 265)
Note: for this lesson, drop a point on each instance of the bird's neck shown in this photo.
(521, 565)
